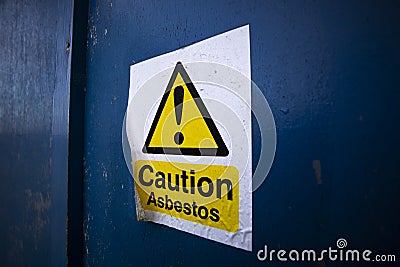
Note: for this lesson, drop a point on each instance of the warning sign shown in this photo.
(182, 125)
(188, 125)
(205, 194)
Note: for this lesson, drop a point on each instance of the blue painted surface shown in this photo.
(330, 74)
(34, 107)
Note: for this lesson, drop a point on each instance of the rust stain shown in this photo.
(317, 170)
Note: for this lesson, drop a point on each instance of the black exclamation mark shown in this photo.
(178, 102)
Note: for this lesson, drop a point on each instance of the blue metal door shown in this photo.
(330, 72)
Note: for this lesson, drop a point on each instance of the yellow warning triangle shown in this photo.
(182, 125)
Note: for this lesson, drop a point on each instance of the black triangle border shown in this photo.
(221, 150)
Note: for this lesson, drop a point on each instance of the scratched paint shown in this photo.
(26, 85)
(39, 206)
(316, 164)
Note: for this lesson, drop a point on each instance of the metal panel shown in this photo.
(330, 73)
(34, 86)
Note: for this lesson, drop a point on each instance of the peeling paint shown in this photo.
(93, 35)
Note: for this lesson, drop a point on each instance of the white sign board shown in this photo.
(188, 125)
